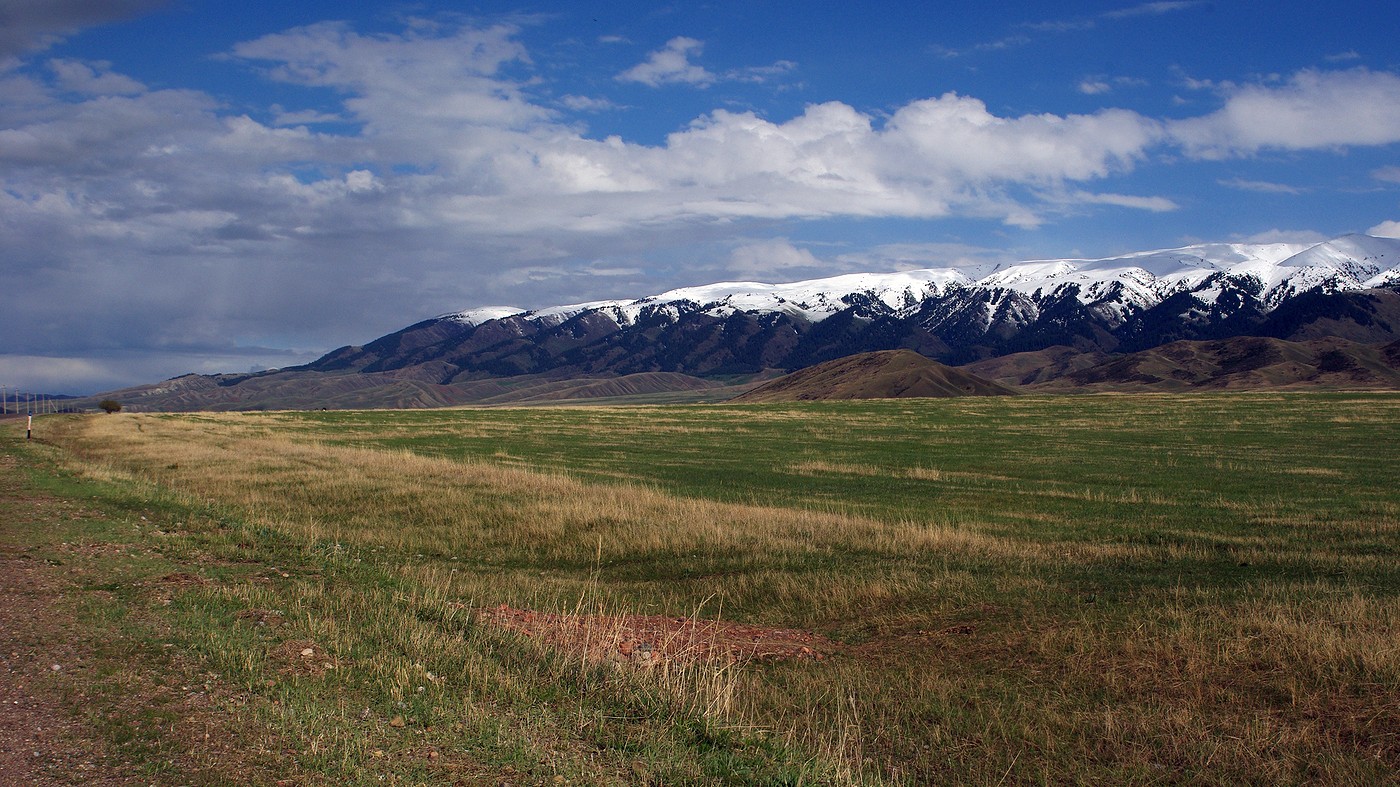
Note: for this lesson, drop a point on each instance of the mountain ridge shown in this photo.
(1124, 303)
(726, 333)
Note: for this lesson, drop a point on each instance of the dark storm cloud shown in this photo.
(26, 25)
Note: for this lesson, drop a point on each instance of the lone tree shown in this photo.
(109, 406)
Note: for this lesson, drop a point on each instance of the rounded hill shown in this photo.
(884, 374)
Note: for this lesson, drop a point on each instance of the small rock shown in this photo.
(308, 652)
(56, 667)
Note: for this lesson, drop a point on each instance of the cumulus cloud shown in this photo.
(439, 176)
(671, 65)
(956, 137)
(1386, 229)
(1313, 109)
(94, 79)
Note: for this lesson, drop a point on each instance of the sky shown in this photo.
(200, 186)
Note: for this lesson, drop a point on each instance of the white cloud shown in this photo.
(95, 79)
(1099, 85)
(1314, 109)
(671, 65)
(443, 177)
(1260, 186)
(399, 83)
(1387, 174)
(762, 73)
(956, 137)
(587, 104)
(1386, 229)
(1153, 204)
(1152, 9)
(769, 257)
(281, 117)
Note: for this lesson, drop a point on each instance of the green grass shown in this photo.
(1134, 589)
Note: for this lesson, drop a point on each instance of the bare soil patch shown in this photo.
(40, 743)
(303, 657)
(87, 705)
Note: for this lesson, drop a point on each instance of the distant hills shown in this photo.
(1241, 363)
(883, 374)
(1157, 320)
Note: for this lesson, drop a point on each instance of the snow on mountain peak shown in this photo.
(482, 314)
(1139, 279)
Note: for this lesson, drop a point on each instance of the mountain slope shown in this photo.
(1126, 303)
(1079, 311)
(1240, 363)
(887, 374)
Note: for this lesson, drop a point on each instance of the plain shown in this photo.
(1108, 589)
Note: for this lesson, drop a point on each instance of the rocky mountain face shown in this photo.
(1031, 323)
(1121, 304)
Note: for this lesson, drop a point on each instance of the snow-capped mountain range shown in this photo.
(1128, 302)
(1271, 272)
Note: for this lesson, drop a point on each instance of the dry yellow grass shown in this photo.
(968, 643)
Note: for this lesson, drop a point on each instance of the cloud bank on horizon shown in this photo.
(254, 197)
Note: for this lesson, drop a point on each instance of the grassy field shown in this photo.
(1107, 589)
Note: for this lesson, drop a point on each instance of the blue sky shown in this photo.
(208, 186)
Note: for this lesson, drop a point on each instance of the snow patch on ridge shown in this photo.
(482, 314)
(1112, 286)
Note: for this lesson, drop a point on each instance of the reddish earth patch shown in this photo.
(649, 640)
